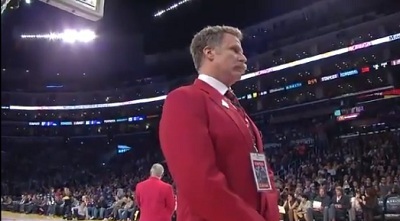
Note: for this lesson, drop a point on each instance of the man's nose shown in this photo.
(243, 58)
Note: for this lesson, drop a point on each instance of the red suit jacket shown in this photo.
(155, 200)
(207, 148)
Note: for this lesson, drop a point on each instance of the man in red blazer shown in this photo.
(207, 138)
(154, 197)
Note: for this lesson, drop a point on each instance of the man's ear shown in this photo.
(209, 53)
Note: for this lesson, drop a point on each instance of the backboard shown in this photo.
(89, 9)
(4, 4)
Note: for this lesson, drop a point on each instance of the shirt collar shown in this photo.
(216, 84)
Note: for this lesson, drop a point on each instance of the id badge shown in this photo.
(260, 171)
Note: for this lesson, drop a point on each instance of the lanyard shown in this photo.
(252, 133)
(243, 114)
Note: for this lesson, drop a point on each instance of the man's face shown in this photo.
(322, 192)
(229, 59)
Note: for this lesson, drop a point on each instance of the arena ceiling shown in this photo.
(125, 19)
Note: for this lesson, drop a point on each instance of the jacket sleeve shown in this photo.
(190, 156)
(170, 199)
(137, 195)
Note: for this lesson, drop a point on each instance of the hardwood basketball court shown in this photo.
(8, 216)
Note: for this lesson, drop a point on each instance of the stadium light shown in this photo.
(68, 36)
(28, 2)
(171, 7)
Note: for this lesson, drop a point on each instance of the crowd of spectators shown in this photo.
(82, 193)
(364, 169)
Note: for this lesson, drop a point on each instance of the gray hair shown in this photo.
(210, 36)
(157, 170)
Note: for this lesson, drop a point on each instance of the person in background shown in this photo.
(340, 204)
(356, 210)
(100, 208)
(127, 209)
(319, 206)
(290, 205)
(154, 197)
(369, 204)
(300, 211)
(67, 198)
(81, 211)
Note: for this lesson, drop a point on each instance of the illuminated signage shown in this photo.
(394, 37)
(349, 111)
(123, 149)
(360, 46)
(347, 117)
(276, 90)
(365, 69)
(109, 121)
(395, 62)
(292, 86)
(137, 118)
(312, 81)
(66, 123)
(330, 77)
(383, 65)
(92, 122)
(337, 113)
(48, 123)
(348, 73)
(34, 123)
(79, 122)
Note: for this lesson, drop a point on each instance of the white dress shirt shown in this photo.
(216, 84)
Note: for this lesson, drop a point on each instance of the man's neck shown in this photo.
(214, 74)
(156, 177)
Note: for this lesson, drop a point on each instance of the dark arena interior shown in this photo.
(322, 85)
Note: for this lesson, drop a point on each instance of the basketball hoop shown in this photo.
(4, 4)
(89, 9)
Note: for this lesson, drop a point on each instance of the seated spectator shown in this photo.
(112, 212)
(356, 209)
(340, 205)
(300, 211)
(369, 204)
(320, 205)
(81, 212)
(100, 208)
(7, 203)
(28, 201)
(127, 209)
(34, 205)
(67, 204)
(89, 204)
(290, 205)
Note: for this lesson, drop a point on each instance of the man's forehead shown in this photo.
(230, 39)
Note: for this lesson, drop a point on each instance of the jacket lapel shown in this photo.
(218, 99)
(257, 134)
